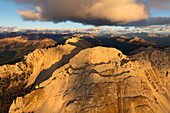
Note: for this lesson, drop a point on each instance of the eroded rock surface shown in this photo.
(73, 79)
(38, 66)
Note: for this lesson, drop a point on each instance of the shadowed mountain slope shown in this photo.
(38, 66)
(125, 44)
(14, 49)
(75, 78)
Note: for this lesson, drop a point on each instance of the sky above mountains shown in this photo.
(86, 14)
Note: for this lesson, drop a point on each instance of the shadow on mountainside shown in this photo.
(125, 47)
(47, 73)
(105, 42)
(112, 42)
(14, 52)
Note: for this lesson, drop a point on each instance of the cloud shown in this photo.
(156, 4)
(30, 15)
(161, 4)
(8, 27)
(94, 12)
(150, 21)
(101, 30)
(155, 29)
(95, 28)
(83, 10)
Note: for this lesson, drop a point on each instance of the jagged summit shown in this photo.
(77, 77)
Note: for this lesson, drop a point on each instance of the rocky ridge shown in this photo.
(13, 49)
(25, 73)
(77, 78)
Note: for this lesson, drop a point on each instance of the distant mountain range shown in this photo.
(157, 39)
(13, 47)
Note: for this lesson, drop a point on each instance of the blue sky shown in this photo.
(9, 17)
(160, 12)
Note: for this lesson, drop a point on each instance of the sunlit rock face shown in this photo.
(75, 78)
(16, 80)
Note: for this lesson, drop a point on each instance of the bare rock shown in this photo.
(97, 80)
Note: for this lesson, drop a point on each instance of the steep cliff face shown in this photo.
(16, 80)
(72, 79)
(75, 78)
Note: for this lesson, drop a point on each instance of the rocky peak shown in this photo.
(101, 80)
(75, 77)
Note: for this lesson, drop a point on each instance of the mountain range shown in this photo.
(84, 75)
(13, 47)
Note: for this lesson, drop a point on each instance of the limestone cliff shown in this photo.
(98, 80)
(76, 78)
(16, 80)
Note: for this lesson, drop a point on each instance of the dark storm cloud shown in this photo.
(151, 21)
(95, 12)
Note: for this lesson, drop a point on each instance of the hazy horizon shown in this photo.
(126, 16)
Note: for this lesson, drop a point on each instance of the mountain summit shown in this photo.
(77, 78)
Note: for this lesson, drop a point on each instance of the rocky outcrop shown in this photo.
(36, 67)
(72, 79)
